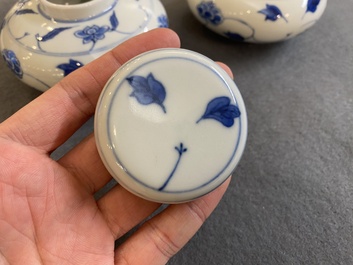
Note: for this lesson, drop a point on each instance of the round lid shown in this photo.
(170, 125)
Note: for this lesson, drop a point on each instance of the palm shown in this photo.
(48, 214)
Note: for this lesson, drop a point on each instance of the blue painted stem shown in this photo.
(25, 35)
(180, 150)
(94, 44)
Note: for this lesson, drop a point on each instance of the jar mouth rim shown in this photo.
(67, 3)
(74, 10)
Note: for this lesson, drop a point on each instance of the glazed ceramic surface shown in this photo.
(44, 40)
(170, 125)
(258, 21)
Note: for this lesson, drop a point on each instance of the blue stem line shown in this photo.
(180, 151)
(24, 35)
(94, 44)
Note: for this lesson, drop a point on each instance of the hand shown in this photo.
(48, 214)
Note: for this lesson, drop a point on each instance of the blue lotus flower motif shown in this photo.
(92, 34)
(272, 13)
(209, 12)
(12, 62)
(68, 68)
(163, 21)
(312, 5)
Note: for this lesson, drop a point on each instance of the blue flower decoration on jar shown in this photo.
(234, 36)
(312, 6)
(68, 68)
(92, 34)
(12, 62)
(272, 13)
(163, 21)
(209, 12)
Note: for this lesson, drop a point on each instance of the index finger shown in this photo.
(52, 118)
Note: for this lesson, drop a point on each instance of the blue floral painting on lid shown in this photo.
(148, 90)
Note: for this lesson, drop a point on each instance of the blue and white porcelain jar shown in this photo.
(258, 21)
(44, 40)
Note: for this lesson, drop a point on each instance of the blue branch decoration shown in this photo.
(221, 109)
(272, 13)
(23, 36)
(181, 150)
(51, 34)
(312, 6)
(25, 11)
(147, 90)
(68, 68)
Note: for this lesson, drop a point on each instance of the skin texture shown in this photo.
(48, 214)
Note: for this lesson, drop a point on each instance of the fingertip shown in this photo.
(150, 40)
(168, 35)
(226, 68)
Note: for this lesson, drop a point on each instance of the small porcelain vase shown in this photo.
(258, 21)
(42, 41)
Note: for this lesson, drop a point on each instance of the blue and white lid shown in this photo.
(170, 125)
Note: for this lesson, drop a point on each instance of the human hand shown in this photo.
(48, 214)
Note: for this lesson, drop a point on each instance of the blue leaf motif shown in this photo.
(147, 90)
(272, 13)
(25, 11)
(52, 34)
(222, 110)
(312, 5)
(114, 22)
(234, 36)
(70, 67)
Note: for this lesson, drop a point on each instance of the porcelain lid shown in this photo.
(170, 125)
